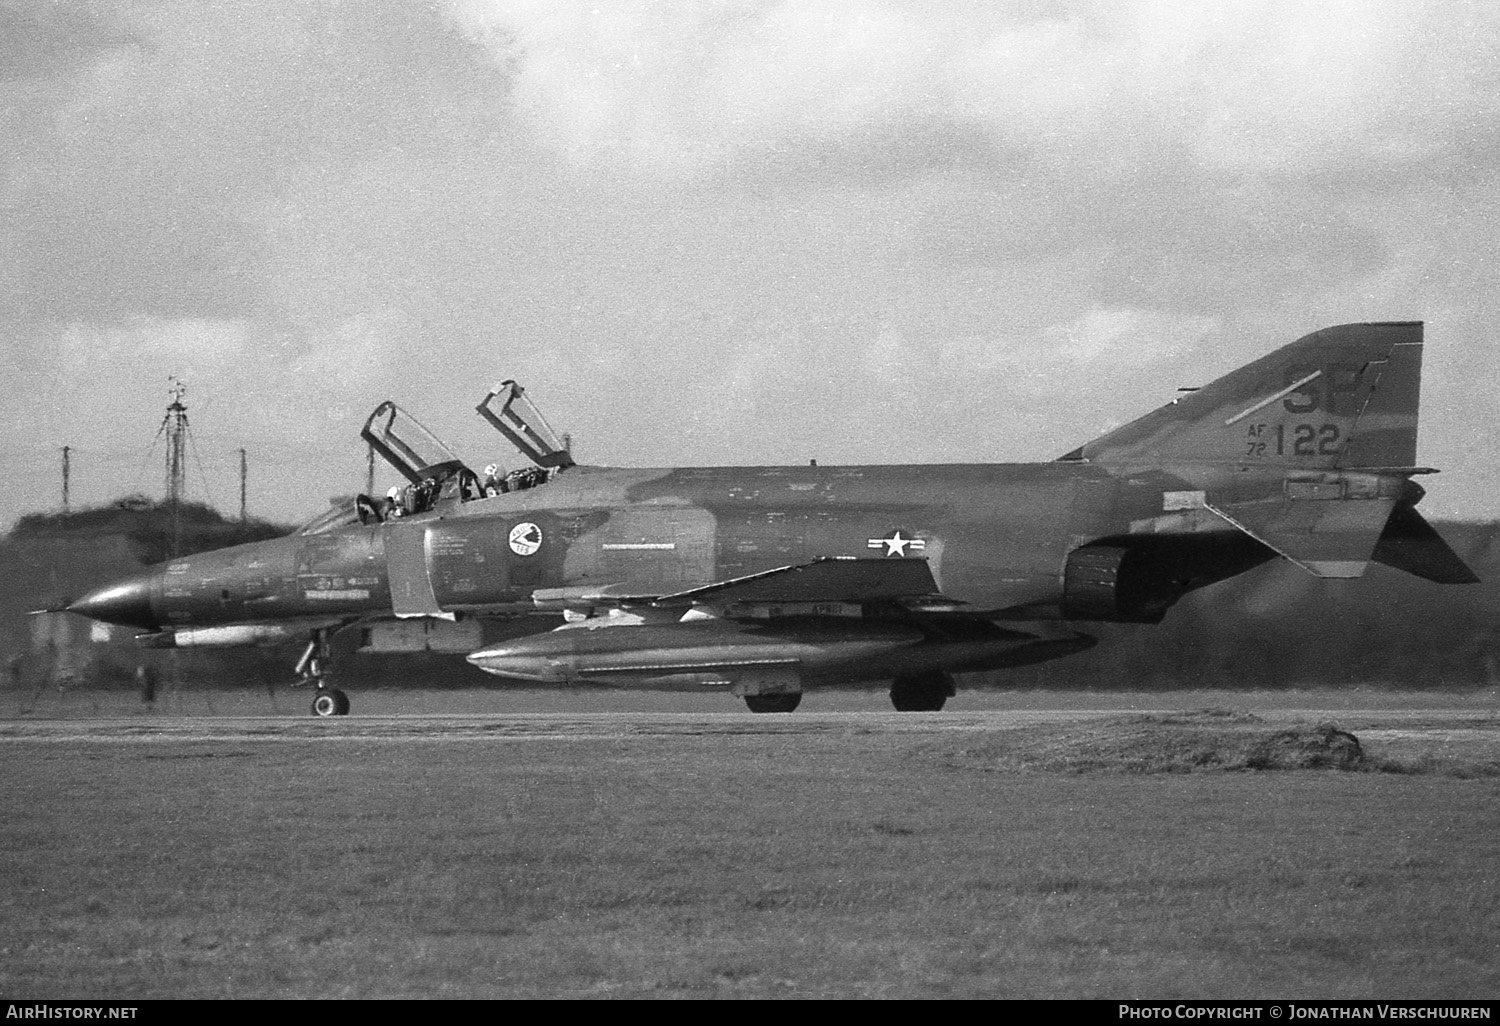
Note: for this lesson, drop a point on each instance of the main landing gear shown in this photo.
(922, 692)
(910, 692)
(312, 668)
(774, 703)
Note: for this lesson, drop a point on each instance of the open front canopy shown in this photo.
(406, 445)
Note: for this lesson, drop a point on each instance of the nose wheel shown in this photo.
(330, 702)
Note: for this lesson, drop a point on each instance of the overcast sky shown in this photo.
(721, 233)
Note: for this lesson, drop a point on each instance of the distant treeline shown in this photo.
(50, 558)
(150, 527)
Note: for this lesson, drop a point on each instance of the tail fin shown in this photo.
(1340, 398)
(1333, 416)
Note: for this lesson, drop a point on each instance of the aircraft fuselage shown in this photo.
(996, 537)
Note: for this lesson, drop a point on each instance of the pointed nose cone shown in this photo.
(126, 602)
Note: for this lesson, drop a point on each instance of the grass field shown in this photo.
(740, 856)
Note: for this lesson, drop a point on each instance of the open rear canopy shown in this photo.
(515, 417)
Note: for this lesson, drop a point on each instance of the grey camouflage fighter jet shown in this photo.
(766, 581)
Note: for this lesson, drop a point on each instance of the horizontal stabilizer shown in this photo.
(1411, 544)
(1326, 538)
(823, 580)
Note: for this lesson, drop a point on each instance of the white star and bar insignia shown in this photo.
(897, 543)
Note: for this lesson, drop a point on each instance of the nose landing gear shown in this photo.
(330, 702)
(312, 668)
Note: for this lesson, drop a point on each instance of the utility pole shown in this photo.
(67, 450)
(244, 473)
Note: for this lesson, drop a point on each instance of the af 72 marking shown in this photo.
(1305, 440)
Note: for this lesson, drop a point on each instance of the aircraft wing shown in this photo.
(824, 580)
(829, 579)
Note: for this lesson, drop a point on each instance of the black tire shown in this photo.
(330, 702)
(921, 692)
(773, 703)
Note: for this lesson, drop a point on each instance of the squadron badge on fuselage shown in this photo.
(525, 539)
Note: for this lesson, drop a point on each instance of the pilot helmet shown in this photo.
(492, 470)
(394, 492)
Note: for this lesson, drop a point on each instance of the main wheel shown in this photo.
(921, 692)
(773, 703)
(330, 702)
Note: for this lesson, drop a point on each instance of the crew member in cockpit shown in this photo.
(368, 509)
(393, 506)
(524, 478)
(425, 495)
(469, 486)
(494, 484)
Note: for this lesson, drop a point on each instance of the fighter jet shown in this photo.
(764, 582)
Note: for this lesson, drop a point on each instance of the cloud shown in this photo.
(195, 345)
(1124, 337)
(720, 232)
(1242, 86)
(1163, 154)
(160, 156)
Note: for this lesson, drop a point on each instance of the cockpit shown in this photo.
(435, 476)
(340, 514)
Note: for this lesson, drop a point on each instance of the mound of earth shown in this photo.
(1189, 742)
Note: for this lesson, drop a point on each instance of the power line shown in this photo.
(207, 492)
(161, 429)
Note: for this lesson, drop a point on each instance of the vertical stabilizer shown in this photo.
(1343, 397)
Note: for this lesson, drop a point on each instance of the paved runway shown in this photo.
(522, 726)
(1475, 731)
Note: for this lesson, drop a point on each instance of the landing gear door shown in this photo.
(515, 417)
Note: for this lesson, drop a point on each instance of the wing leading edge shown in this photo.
(829, 579)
